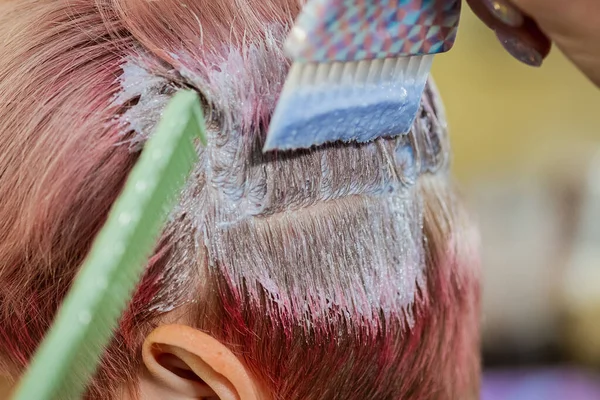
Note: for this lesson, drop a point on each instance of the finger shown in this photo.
(527, 44)
(506, 12)
(523, 39)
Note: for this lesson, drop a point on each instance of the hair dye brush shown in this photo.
(69, 354)
(360, 68)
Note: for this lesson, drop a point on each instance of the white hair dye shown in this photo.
(145, 96)
(335, 229)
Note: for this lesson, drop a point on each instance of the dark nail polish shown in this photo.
(520, 50)
(505, 12)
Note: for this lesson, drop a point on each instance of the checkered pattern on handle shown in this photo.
(353, 30)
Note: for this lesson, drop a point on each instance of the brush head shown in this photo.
(353, 101)
(359, 69)
(354, 30)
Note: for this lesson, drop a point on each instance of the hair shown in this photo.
(356, 261)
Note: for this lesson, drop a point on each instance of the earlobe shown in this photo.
(189, 364)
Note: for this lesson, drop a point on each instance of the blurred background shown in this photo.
(526, 154)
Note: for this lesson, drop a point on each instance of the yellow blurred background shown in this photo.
(505, 115)
(524, 140)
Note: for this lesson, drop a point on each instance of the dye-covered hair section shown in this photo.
(267, 220)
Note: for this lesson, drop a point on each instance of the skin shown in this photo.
(183, 363)
(573, 26)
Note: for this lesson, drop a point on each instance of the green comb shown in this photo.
(84, 325)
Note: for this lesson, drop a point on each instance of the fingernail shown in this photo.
(505, 12)
(520, 50)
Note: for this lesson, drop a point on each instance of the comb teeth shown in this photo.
(73, 347)
(348, 101)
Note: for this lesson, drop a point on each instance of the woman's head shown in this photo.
(342, 272)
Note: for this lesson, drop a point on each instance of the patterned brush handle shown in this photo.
(353, 30)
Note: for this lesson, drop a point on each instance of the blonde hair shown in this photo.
(356, 261)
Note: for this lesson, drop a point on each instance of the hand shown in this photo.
(525, 28)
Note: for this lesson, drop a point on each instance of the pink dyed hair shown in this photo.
(63, 162)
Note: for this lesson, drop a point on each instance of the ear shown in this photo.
(185, 363)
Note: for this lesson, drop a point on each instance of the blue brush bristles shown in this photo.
(359, 102)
